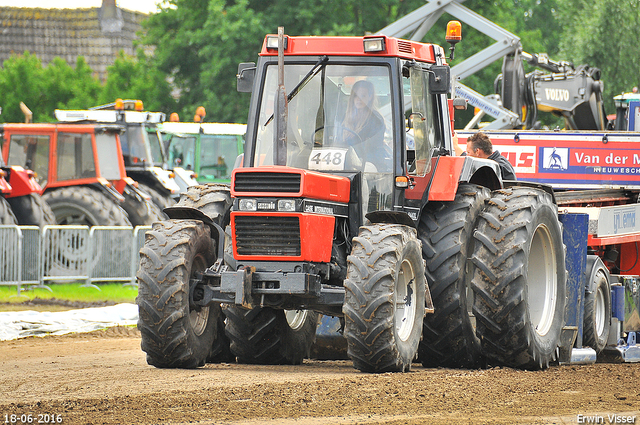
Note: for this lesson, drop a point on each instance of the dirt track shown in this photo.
(103, 378)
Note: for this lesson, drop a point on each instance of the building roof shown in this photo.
(97, 33)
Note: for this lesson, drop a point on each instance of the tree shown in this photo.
(176, 36)
(64, 87)
(23, 79)
(137, 78)
(20, 81)
(199, 43)
(604, 34)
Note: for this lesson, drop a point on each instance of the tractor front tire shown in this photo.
(270, 336)
(214, 200)
(6, 215)
(385, 294)
(32, 210)
(446, 231)
(519, 278)
(174, 333)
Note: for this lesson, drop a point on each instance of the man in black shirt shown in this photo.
(480, 146)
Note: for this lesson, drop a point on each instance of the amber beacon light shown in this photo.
(453, 36)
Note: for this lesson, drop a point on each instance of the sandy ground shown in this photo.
(102, 378)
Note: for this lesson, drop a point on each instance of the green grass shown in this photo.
(115, 292)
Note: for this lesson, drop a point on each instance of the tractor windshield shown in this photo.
(155, 144)
(218, 153)
(182, 151)
(138, 147)
(338, 120)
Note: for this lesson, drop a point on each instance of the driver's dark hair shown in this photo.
(481, 141)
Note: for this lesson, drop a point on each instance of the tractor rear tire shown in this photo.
(385, 294)
(162, 201)
(174, 333)
(32, 210)
(597, 308)
(82, 205)
(446, 231)
(270, 336)
(519, 278)
(221, 349)
(6, 215)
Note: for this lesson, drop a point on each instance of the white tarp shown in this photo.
(21, 324)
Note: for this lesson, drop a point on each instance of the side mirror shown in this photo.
(245, 76)
(439, 79)
(459, 103)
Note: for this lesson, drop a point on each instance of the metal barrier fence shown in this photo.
(33, 256)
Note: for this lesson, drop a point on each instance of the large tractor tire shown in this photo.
(270, 336)
(212, 199)
(81, 205)
(174, 333)
(446, 231)
(142, 212)
(385, 294)
(519, 278)
(221, 348)
(6, 215)
(162, 201)
(597, 306)
(32, 210)
(215, 201)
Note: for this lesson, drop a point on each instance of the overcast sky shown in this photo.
(145, 6)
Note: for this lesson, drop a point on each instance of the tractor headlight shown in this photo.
(272, 42)
(374, 45)
(286, 205)
(248, 205)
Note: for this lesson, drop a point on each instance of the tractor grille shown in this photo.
(267, 236)
(267, 182)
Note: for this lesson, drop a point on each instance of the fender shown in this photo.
(447, 172)
(594, 263)
(190, 213)
(391, 217)
(22, 182)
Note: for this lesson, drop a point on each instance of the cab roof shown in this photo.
(205, 128)
(354, 46)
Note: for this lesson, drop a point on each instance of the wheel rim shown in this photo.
(296, 318)
(542, 281)
(405, 295)
(198, 318)
(600, 309)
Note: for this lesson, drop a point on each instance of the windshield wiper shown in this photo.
(312, 73)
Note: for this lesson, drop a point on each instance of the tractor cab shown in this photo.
(142, 149)
(374, 108)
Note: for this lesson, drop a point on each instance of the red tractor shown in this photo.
(81, 169)
(350, 204)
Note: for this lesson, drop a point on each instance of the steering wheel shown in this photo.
(358, 139)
